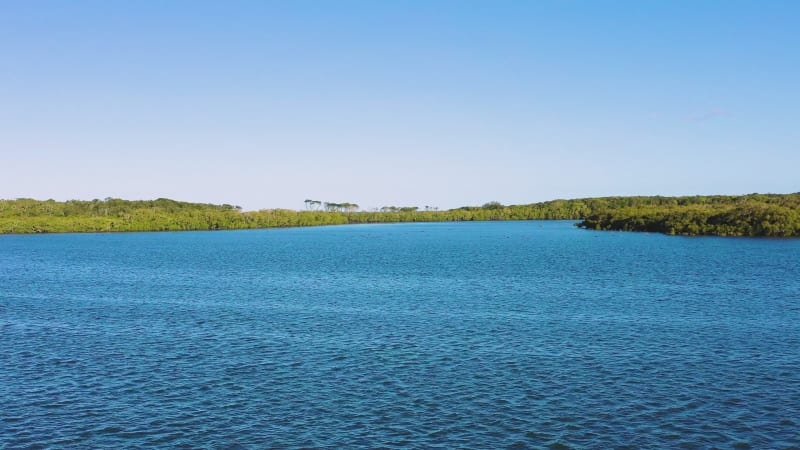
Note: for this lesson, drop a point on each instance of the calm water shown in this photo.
(493, 335)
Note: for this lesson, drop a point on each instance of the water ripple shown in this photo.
(488, 335)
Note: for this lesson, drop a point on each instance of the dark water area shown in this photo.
(480, 335)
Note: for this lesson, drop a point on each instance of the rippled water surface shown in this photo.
(492, 335)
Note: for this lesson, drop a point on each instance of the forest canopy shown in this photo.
(775, 215)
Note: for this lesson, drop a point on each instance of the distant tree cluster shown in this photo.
(748, 215)
(395, 209)
(316, 205)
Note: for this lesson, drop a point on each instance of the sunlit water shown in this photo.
(520, 334)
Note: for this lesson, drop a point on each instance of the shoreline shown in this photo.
(753, 215)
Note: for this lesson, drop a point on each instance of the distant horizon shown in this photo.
(397, 103)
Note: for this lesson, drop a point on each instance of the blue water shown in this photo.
(490, 335)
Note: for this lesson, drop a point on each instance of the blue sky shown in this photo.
(441, 103)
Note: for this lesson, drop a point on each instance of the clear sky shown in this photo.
(408, 103)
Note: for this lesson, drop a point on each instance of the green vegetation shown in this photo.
(749, 215)
(769, 215)
(34, 216)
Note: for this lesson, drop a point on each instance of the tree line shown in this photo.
(747, 215)
(772, 216)
(316, 205)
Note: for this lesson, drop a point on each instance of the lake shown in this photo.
(484, 334)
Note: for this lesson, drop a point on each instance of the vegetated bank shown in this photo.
(112, 215)
(747, 215)
(766, 215)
